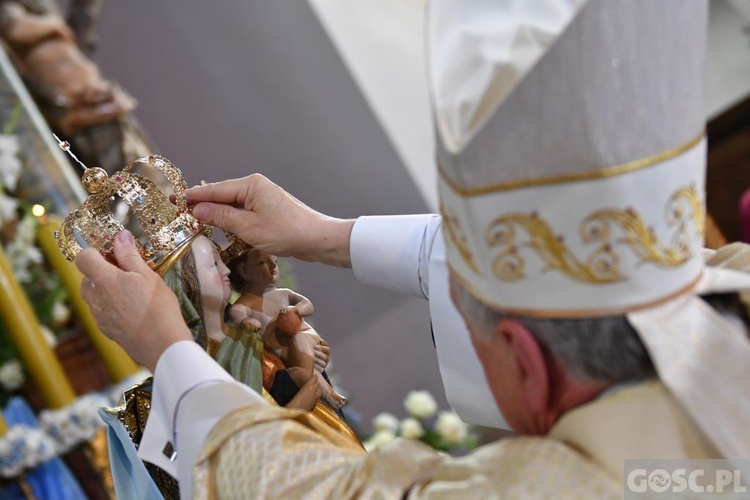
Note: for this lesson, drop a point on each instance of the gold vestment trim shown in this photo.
(582, 176)
(570, 313)
(684, 211)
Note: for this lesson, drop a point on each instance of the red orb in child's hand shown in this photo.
(288, 323)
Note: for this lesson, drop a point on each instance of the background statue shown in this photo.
(79, 104)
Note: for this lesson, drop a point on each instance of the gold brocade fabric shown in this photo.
(272, 452)
(734, 256)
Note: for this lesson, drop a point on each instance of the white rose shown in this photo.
(8, 208)
(60, 313)
(384, 422)
(420, 404)
(21, 256)
(10, 165)
(11, 375)
(379, 439)
(411, 428)
(451, 428)
(26, 230)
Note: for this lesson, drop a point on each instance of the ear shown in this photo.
(530, 363)
(240, 269)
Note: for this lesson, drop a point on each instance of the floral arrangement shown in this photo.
(24, 447)
(442, 430)
(59, 431)
(18, 229)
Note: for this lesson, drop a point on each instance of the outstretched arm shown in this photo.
(301, 304)
(272, 220)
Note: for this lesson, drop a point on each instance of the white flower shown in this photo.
(10, 165)
(384, 422)
(451, 428)
(21, 256)
(420, 404)
(379, 439)
(8, 207)
(60, 313)
(21, 251)
(11, 375)
(411, 428)
(49, 336)
(26, 230)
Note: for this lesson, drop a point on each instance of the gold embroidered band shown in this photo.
(570, 313)
(684, 211)
(582, 176)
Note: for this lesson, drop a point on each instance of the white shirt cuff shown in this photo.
(182, 368)
(386, 251)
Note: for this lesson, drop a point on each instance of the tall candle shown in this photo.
(3, 426)
(118, 364)
(24, 328)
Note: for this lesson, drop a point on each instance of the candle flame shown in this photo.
(38, 210)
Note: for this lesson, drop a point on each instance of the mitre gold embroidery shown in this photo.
(456, 235)
(684, 211)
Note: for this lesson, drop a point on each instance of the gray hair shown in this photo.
(605, 349)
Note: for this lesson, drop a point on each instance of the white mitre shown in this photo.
(572, 170)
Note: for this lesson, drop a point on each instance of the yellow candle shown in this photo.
(3, 426)
(23, 326)
(117, 362)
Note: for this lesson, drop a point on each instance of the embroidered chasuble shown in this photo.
(271, 452)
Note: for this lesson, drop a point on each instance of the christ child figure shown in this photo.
(278, 315)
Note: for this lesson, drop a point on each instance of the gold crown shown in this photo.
(168, 228)
(236, 249)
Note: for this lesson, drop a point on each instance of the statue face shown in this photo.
(261, 268)
(213, 275)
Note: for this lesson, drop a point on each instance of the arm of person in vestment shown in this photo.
(394, 251)
(274, 452)
(402, 253)
(391, 252)
(265, 216)
(191, 393)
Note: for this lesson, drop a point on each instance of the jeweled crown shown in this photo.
(167, 227)
(236, 248)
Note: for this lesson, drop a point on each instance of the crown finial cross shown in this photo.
(65, 146)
